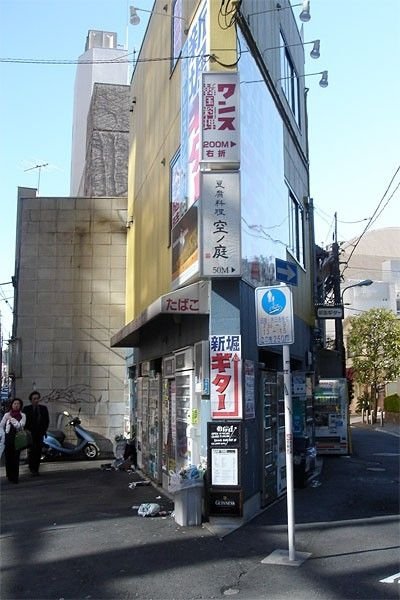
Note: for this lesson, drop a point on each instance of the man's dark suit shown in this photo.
(37, 421)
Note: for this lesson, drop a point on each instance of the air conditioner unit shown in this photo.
(145, 368)
(184, 359)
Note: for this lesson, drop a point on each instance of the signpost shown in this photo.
(329, 311)
(286, 271)
(274, 321)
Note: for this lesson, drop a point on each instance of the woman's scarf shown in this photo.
(16, 414)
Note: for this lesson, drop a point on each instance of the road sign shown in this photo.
(274, 316)
(329, 311)
(286, 271)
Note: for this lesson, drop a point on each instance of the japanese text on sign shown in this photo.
(195, 50)
(220, 111)
(226, 376)
(182, 305)
(220, 224)
(274, 316)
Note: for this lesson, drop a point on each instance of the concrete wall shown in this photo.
(95, 70)
(107, 145)
(70, 277)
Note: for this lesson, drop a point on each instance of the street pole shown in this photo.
(289, 451)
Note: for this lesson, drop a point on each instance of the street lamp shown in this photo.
(359, 284)
(340, 345)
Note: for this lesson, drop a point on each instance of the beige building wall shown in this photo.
(70, 280)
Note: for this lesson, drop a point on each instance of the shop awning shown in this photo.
(193, 299)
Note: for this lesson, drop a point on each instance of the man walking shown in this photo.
(37, 421)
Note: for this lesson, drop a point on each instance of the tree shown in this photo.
(374, 344)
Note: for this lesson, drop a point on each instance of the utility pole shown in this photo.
(339, 343)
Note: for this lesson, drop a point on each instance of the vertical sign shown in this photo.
(195, 49)
(220, 224)
(220, 118)
(226, 376)
(274, 316)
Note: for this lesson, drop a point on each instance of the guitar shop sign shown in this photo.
(226, 376)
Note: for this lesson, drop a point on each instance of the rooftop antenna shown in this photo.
(40, 169)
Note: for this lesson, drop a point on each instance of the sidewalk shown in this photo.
(74, 533)
(390, 428)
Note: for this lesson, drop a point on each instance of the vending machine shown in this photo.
(148, 419)
(187, 411)
(180, 413)
(331, 409)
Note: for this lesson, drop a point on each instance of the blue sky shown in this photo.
(354, 127)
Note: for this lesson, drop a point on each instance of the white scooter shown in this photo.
(54, 444)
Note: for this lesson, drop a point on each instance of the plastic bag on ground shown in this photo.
(150, 509)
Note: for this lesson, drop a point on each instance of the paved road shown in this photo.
(72, 534)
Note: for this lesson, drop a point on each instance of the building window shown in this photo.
(296, 229)
(289, 80)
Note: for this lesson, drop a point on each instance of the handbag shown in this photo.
(23, 439)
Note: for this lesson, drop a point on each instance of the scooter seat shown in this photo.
(57, 434)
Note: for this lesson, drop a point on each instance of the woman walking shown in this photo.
(13, 421)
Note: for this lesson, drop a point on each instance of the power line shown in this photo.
(374, 215)
(36, 61)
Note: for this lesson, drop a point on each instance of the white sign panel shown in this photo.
(224, 466)
(274, 316)
(226, 376)
(220, 118)
(220, 224)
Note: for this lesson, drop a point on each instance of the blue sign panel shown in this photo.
(274, 316)
(286, 271)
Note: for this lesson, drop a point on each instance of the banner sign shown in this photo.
(220, 224)
(185, 251)
(195, 49)
(220, 118)
(226, 376)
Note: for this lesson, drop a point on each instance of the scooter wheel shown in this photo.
(91, 451)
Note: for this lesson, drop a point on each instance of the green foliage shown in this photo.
(374, 343)
(392, 403)
(363, 402)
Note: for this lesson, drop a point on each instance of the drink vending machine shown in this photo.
(331, 410)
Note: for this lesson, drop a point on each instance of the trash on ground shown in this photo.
(144, 508)
(119, 464)
(150, 509)
(134, 484)
(315, 483)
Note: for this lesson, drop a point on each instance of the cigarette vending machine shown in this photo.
(180, 413)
